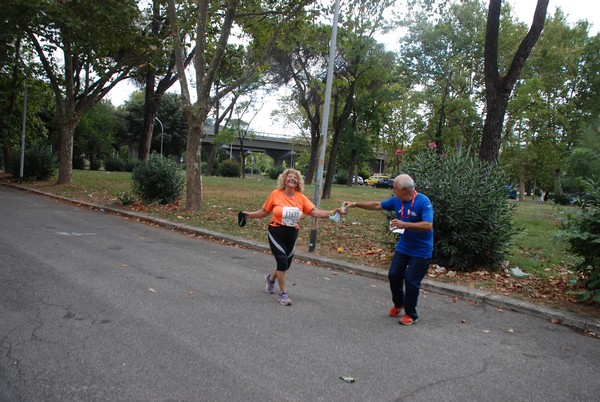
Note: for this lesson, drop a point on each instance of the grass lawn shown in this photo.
(362, 237)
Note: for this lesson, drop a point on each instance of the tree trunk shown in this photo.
(557, 182)
(337, 135)
(498, 88)
(242, 159)
(151, 105)
(522, 182)
(492, 128)
(211, 159)
(353, 154)
(193, 169)
(67, 133)
(439, 134)
(315, 142)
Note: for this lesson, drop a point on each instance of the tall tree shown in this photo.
(159, 65)
(443, 56)
(499, 87)
(359, 53)
(97, 43)
(261, 22)
(302, 61)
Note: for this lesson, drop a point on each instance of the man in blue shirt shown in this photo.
(414, 220)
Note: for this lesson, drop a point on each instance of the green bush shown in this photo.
(79, 162)
(274, 172)
(582, 231)
(473, 225)
(560, 199)
(114, 164)
(341, 177)
(158, 180)
(229, 168)
(95, 164)
(39, 163)
(129, 164)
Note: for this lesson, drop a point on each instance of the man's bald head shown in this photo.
(404, 181)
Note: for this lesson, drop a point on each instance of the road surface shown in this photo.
(97, 307)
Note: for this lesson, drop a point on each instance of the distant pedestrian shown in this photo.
(288, 204)
(414, 220)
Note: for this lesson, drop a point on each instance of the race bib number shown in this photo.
(290, 216)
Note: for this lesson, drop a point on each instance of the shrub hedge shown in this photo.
(158, 180)
(473, 220)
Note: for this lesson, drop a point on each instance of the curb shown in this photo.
(492, 299)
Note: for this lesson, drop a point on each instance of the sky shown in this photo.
(574, 10)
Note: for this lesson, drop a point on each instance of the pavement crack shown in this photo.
(13, 361)
(443, 381)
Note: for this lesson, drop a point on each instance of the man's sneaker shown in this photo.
(407, 320)
(284, 299)
(395, 311)
(269, 284)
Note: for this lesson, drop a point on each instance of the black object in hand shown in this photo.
(241, 219)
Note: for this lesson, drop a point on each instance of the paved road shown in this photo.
(97, 307)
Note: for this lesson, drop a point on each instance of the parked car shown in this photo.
(358, 180)
(384, 183)
(375, 178)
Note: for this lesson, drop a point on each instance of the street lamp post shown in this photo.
(312, 242)
(23, 132)
(162, 132)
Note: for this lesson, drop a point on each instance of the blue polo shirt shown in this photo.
(412, 243)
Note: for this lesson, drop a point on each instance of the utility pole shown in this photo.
(312, 243)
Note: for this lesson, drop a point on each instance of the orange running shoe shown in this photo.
(407, 320)
(395, 311)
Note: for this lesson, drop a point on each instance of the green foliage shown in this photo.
(582, 231)
(79, 162)
(158, 180)
(562, 199)
(129, 164)
(473, 223)
(274, 172)
(341, 177)
(126, 197)
(95, 132)
(114, 164)
(39, 163)
(252, 170)
(229, 168)
(95, 164)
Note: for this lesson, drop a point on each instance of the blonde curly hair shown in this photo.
(282, 176)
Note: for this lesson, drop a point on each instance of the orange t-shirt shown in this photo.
(287, 211)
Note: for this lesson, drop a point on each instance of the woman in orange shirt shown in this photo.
(288, 204)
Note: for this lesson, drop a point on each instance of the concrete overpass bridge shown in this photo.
(278, 148)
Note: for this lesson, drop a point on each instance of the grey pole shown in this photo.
(162, 131)
(312, 242)
(22, 168)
